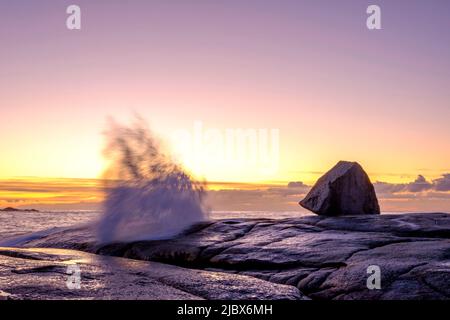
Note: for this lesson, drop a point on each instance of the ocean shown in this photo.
(16, 223)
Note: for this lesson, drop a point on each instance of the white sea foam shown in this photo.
(148, 196)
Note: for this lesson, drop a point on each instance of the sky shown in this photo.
(308, 73)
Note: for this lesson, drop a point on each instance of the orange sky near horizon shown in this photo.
(88, 194)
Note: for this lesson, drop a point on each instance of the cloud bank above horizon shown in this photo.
(87, 194)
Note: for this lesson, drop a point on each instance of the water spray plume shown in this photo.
(148, 195)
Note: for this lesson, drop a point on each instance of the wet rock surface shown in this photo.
(324, 257)
(42, 274)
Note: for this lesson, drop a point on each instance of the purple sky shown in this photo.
(311, 69)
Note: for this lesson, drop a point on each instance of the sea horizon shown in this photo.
(19, 223)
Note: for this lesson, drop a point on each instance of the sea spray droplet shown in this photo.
(148, 196)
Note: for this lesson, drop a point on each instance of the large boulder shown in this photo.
(344, 190)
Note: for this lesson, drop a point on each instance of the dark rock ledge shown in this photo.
(324, 257)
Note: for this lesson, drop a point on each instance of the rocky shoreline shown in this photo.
(320, 257)
(42, 274)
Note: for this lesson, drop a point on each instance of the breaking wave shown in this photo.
(148, 195)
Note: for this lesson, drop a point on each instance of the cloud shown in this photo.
(420, 185)
(51, 193)
(443, 183)
(264, 199)
(388, 188)
(418, 195)
(296, 184)
(51, 185)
